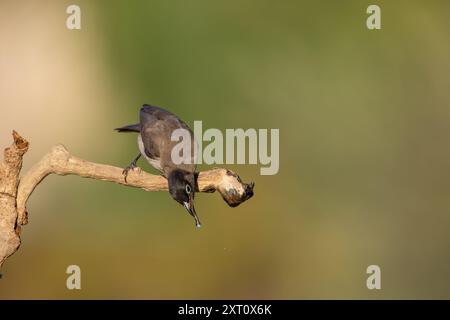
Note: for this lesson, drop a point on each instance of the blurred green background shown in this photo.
(364, 156)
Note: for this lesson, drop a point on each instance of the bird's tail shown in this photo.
(129, 128)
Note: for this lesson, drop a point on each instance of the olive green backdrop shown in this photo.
(364, 155)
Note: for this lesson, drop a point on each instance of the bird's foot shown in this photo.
(131, 167)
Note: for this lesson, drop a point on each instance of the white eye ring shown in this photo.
(188, 189)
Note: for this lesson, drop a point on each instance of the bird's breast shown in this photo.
(154, 162)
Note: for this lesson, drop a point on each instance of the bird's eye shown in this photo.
(188, 189)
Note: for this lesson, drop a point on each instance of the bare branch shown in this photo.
(9, 179)
(60, 161)
(14, 194)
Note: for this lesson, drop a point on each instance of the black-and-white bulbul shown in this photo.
(155, 144)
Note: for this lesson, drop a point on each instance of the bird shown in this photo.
(154, 130)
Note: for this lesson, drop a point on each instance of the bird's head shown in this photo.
(182, 189)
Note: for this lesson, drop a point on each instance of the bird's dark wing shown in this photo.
(150, 113)
(157, 126)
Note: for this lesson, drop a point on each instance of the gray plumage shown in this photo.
(154, 140)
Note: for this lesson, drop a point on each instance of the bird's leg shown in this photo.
(131, 166)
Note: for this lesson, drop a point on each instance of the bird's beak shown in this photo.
(191, 209)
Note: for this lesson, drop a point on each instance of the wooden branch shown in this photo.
(9, 180)
(14, 195)
(60, 161)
